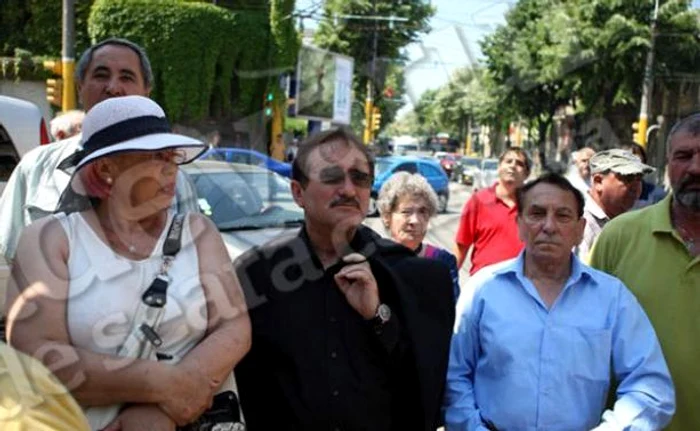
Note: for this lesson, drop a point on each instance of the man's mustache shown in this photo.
(345, 201)
(688, 180)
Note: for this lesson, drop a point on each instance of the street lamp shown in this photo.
(648, 83)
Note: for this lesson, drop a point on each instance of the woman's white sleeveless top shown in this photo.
(105, 290)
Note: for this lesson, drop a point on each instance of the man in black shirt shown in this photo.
(350, 331)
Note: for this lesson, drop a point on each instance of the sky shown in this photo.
(452, 43)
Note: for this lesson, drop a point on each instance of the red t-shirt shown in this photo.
(489, 224)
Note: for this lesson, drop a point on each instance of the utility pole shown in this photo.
(641, 137)
(68, 55)
(369, 101)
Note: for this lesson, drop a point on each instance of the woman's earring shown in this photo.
(108, 180)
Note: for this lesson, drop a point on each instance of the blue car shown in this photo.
(248, 157)
(430, 168)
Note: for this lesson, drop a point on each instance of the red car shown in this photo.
(448, 162)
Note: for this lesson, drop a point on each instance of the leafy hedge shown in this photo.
(23, 67)
(207, 60)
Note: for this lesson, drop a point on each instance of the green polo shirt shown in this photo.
(643, 250)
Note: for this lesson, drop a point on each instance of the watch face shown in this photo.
(384, 312)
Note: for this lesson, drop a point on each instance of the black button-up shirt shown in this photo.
(315, 362)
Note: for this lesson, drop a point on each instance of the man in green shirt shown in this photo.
(656, 253)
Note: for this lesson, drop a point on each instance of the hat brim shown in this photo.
(153, 142)
(639, 169)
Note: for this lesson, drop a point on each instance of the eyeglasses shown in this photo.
(176, 157)
(335, 175)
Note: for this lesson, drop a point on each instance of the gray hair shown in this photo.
(406, 184)
(689, 124)
(67, 124)
(86, 58)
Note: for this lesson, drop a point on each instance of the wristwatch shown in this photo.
(381, 317)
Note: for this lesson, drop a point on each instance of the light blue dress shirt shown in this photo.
(520, 366)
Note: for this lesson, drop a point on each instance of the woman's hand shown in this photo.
(142, 417)
(190, 392)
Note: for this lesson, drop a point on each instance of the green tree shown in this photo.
(35, 26)
(528, 58)
(616, 38)
(355, 38)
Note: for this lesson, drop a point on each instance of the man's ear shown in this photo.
(597, 182)
(298, 193)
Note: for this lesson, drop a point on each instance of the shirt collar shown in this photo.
(660, 215)
(361, 243)
(492, 197)
(595, 209)
(578, 270)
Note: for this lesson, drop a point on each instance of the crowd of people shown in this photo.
(125, 312)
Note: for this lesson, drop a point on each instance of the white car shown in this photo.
(487, 175)
(250, 205)
(22, 127)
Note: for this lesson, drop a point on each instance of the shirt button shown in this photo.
(334, 355)
(336, 393)
(332, 319)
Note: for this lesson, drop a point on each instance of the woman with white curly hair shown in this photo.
(406, 203)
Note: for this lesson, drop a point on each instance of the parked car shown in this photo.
(248, 157)
(467, 169)
(488, 174)
(22, 127)
(428, 167)
(250, 205)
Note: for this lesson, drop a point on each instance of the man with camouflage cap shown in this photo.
(616, 183)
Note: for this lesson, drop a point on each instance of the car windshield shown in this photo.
(381, 166)
(246, 200)
(490, 165)
(471, 162)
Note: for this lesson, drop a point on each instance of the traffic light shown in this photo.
(269, 98)
(54, 86)
(376, 119)
(54, 91)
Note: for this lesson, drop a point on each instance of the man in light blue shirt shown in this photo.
(538, 338)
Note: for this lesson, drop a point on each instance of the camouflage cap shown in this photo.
(621, 162)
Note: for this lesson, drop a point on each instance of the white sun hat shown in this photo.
(128, 124)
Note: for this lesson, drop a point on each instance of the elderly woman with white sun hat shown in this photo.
(80, 280)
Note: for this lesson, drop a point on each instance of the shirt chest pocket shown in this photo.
(584, 353)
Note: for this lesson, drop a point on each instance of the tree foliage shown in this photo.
(208, 61)
(355, 38)
(35, 26)
(589, 54)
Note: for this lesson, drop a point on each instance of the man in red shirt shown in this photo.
(488, 218)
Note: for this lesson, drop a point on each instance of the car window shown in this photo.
(470, 162)
(490, 165)
(381, 166)
(246, 200)
(406, 167)
(246, 159)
